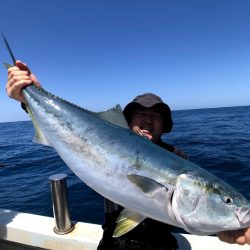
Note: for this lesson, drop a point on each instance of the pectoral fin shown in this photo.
(145, 184)
(127, 220)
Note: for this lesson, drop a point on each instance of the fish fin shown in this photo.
(145, 184)
(7, 65)
(127, 220)
(39, 135)
(114, 115)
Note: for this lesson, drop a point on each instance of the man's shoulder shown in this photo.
(165, 145)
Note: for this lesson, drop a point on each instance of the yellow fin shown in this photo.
(39, 135)
(7, 65)
(127, 220)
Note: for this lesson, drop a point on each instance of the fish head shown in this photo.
(204, 205)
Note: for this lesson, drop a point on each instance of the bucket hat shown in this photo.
(150, 100)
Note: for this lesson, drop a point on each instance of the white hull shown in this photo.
(23, 231)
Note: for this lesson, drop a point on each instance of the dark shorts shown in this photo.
(150, 235)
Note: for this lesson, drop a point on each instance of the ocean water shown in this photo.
(215, 139)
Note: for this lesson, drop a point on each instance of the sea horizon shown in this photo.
(172, 110)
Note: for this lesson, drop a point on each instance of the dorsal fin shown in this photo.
(114, 115)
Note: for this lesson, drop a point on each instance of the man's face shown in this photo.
(149, 122)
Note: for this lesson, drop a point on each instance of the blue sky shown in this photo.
(193, 53)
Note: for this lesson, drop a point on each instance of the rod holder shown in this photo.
(63, 224)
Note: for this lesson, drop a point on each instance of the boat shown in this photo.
(25, 231)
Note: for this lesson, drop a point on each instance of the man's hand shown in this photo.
(19, 76)
(241, 236)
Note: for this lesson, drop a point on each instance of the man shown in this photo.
(148, 116)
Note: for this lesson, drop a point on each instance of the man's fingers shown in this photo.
(22, 66)
(19, 66)
(12, 69)
(247, 235)
(15, 79)
(15, 90)
(233, 237)
(35, 81)
(16, 71)
(19, 85)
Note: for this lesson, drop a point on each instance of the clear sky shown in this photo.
(193, 53)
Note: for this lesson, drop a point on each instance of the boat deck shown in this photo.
(23, 231)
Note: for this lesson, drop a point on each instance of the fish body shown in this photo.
(132, 171)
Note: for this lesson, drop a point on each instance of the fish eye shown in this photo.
(228, 200)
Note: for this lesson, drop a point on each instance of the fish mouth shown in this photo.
(243, 215)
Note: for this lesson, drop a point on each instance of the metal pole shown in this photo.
(63, 223)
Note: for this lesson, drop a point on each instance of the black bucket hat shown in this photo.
(149, 100)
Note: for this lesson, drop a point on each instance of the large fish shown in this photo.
(132, 171)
